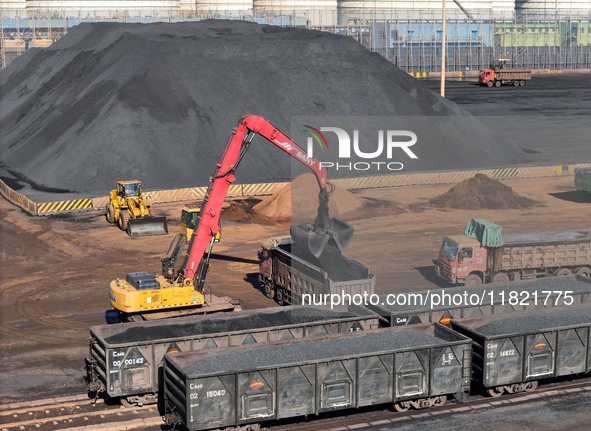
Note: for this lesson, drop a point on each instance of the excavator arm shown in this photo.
(315, 238)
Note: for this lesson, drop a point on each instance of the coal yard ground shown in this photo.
(56, 270)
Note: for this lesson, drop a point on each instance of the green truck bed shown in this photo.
(583, 179)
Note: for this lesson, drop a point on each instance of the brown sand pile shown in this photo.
(481, 192)
(298, 201)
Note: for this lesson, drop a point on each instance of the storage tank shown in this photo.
(539, 8)
(223, 8)
(103, 9)
(7, 6)
(317, 13)
(351, 10)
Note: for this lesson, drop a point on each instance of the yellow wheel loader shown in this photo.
(132, 211)
(190, 219)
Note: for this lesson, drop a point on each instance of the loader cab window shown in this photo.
(132, 189)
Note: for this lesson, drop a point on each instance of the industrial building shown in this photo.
(536, 34)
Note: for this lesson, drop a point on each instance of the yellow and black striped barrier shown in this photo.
(251, 190)
(64, 206)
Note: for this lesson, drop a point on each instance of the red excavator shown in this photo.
(180, 286)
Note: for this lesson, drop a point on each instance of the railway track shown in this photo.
(79, 413)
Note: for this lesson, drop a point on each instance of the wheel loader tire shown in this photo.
(123, 220)
(110, 213)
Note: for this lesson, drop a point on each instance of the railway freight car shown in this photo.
(484, 300)
(513, 353)
(124, 359)
(241, 387)
(287, 273)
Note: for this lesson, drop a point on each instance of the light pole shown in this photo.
(443, 19)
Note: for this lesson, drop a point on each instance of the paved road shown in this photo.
(548, 118)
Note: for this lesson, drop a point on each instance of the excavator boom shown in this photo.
(313, 238)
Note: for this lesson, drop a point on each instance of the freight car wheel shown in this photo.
(473, 280)
(501, 277)
(562, 272)
(497, 83)
(402, 406)
(530, 386)
(110, 213)
(495, 392)
(583, 271)
(439, 401)
(125, 403)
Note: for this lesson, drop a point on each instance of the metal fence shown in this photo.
(410, 39)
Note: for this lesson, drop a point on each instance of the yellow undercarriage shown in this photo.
(127, 299)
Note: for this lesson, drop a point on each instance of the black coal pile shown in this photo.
(303, 351)
(232, 323)
(537, 322)
(157, 102)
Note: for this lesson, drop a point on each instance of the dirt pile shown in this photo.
(481, 192)
(157, 102)
(298, 201)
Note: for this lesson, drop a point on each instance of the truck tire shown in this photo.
(522, 83)
(269, 289)
(110, 213)
(562, 272)
(498, 83)
(515, 83)
(501, 277)
(279, 296)
(123, 220)
(583, 271)
(489, 84)
(473, 280)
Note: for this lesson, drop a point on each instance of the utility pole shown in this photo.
(443, 42)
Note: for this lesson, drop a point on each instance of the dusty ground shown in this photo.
(56, 271)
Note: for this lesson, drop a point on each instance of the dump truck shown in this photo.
(287, 273)
(179, 288)
(132, 211)
(498, 75)
(583, 179)
(485, 255)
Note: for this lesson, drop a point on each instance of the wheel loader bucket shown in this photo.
(147, 226)
(315, 241)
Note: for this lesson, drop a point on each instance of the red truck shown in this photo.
(497, 76)
(482, 255)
